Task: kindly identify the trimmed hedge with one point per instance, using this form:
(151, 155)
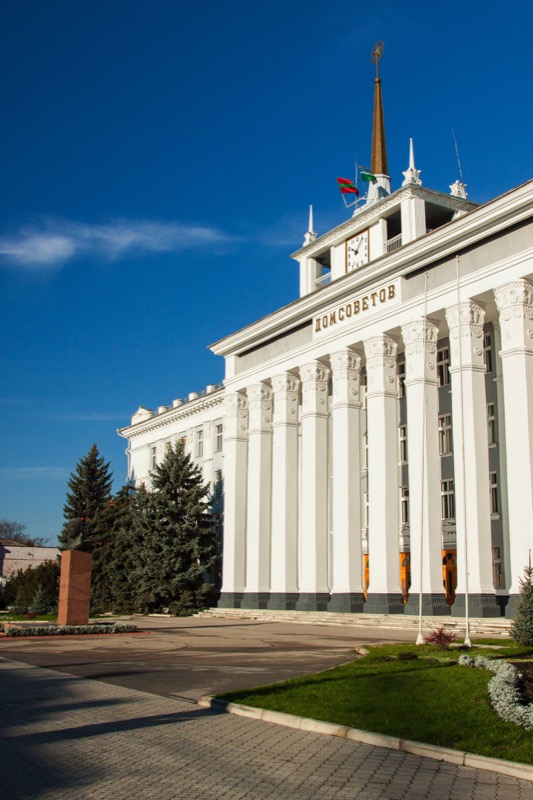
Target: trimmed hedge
(503, 690)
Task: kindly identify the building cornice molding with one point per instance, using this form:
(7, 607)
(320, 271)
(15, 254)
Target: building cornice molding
(173, 415)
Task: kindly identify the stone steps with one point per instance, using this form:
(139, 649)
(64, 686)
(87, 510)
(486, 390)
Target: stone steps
(485, 627)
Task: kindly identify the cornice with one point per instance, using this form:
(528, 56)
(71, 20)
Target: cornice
(173, 415)
(444, 242)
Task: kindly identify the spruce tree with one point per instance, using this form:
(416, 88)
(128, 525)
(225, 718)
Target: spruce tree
(522, 627)
(110, 583)
(90, 492)
(171, 538)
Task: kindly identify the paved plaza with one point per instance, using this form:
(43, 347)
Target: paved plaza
(68, 736)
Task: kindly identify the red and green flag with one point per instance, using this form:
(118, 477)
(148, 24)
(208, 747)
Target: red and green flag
(347, 187)
(367, 177)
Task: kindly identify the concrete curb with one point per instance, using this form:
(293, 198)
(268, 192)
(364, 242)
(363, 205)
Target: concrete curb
(514, 770)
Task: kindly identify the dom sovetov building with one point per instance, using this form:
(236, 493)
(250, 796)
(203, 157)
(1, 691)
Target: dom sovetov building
(374, 438)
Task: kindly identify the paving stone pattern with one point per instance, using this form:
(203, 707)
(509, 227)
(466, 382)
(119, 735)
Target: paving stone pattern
(64, 737)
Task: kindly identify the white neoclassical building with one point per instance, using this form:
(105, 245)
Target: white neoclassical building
(377, 438)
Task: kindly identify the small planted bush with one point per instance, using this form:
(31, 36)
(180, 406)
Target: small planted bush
(67, 630)
(441, 638)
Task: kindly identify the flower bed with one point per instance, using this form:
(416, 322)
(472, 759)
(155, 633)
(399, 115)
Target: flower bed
(66, 630)
(503, 690)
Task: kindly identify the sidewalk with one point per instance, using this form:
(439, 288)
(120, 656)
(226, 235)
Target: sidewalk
(65, 737)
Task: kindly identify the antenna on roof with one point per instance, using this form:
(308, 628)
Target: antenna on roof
(458, 159)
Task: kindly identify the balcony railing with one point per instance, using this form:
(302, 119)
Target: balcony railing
(323, 280)
(393, 244)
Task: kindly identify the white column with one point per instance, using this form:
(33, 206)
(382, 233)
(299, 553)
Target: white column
(235, 463)
(314, 589)
(471, 462)
(284, 539)
(259, 496)
(515, 304)
(347, 566)
(384, 596)
(421, 383)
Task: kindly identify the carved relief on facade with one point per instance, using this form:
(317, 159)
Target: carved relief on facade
(420, 336)
(314, 376)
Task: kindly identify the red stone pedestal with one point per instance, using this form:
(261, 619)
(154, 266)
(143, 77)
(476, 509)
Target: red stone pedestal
(74, 588)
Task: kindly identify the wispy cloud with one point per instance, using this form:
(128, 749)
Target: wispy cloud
(25, 473)
(54, 242)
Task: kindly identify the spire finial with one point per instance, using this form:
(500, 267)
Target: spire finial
(411, 175)
(376, 55)
(310, 236)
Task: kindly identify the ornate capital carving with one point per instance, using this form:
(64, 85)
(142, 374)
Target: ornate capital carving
(346, 361)
(465, 318)
(235, 404)
(259, 393)
(380, 351)
(314, 375)
(285, 383)
(419, 336)
(515, 300)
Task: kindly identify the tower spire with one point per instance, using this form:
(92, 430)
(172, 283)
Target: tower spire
(379, 166)
(378, 162)
(310, 236)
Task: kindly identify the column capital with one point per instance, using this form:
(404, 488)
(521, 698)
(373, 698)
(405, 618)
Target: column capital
(286, 383)
(515, 300)
(419, 336)
(315, 378)
(315, 374)
(258, 393)
(380, 351)
(346, 361)
(466, 318)
(260, 407)
(346, 369)
(236, 408)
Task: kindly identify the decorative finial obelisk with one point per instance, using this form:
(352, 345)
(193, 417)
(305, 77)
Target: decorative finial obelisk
(310, 236)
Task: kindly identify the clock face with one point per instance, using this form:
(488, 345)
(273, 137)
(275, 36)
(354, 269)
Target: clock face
(357, 251)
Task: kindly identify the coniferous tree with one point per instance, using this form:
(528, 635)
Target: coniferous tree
(90, 493)
(171, 538)
(110, 582)
(522, 627)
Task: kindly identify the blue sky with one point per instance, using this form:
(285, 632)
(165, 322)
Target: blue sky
(157, 161)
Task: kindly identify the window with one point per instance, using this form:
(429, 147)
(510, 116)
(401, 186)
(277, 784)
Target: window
(403, 442)
(445, 434)
(491, 423)
(443, 366)
(153, 457)
(401, 379)
(219, 438)
(447, 500)
(487, 351)
(404, 505)
(217, 488)
(199, 443)
(168, 446)
(493, 489)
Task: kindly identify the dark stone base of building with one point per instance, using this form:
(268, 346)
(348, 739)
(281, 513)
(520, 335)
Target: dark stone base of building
(346, 603)
(312, 602)
(511, 605)
(255, 600)
(230, 600)
(479, 605)
(384, 604)
(433, 605)
(281, 601)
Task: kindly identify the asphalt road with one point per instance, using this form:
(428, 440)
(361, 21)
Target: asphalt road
(189, 657)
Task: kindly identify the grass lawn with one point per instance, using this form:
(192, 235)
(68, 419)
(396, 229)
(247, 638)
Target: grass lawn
(428, 699)
(28, 618)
